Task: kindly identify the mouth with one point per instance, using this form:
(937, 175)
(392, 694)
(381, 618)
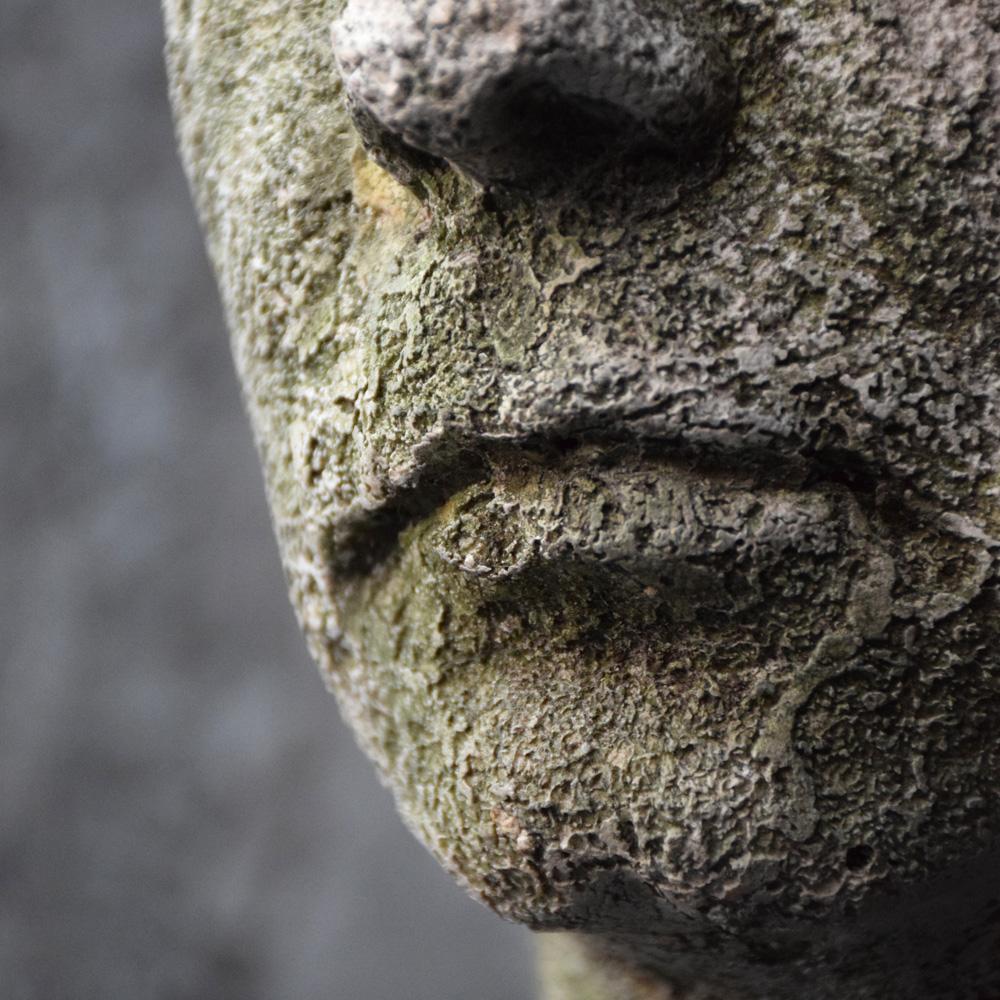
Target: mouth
(642, 506)
(664, 523)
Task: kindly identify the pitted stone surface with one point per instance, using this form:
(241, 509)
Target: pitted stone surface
(460, 78)
(648, 533)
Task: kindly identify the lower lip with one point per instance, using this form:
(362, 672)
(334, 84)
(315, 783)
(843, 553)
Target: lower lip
(638, 516)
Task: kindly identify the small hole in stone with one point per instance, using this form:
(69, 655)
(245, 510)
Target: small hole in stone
(859, 857)
(566, 445)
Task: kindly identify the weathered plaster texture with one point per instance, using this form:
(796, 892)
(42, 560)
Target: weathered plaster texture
(645, 523)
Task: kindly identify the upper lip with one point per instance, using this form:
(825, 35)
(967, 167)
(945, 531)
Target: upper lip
(448, 463)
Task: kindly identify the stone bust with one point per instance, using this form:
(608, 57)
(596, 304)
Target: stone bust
(626, 376)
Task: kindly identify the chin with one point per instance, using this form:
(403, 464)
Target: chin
(761, 756)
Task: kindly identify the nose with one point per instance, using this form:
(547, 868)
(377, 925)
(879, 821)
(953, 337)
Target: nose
(504, 88)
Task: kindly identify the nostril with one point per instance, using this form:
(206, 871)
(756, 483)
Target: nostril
(502, 89)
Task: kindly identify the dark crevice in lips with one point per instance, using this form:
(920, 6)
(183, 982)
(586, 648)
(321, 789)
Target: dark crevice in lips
(362, 541)
(835, 466)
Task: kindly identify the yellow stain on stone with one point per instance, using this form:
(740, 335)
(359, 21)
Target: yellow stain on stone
(380, 193)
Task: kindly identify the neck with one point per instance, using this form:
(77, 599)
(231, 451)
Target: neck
(570, 970)
(575, 966)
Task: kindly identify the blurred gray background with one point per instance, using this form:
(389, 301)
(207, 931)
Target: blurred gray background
(182, 812)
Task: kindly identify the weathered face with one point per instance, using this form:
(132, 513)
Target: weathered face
(643, 510)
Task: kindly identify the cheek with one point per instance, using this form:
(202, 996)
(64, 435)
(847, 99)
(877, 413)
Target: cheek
(267, 144)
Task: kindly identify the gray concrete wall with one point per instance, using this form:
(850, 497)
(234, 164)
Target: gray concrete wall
(182, 812)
